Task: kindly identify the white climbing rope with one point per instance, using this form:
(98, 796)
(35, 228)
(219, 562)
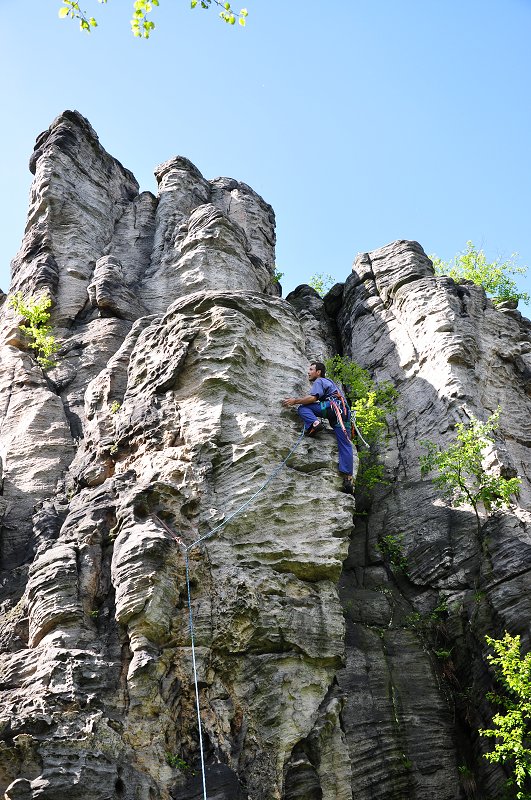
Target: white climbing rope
(358, 430)
(195, 673)
(186, 549)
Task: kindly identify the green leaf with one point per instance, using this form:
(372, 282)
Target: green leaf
(63, 12)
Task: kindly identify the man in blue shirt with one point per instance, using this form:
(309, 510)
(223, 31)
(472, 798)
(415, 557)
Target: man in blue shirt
(326, 400)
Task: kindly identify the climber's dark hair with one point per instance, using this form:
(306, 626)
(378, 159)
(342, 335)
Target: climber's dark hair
(320, 366)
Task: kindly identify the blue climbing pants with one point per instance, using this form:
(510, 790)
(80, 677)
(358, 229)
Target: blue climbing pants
(310, 413)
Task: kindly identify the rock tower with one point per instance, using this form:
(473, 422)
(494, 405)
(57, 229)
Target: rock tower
(320, 672)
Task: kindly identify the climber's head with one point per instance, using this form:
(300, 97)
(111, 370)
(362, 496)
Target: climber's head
(316, 370)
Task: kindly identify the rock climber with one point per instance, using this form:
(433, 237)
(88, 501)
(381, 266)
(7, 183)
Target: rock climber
(326, 400)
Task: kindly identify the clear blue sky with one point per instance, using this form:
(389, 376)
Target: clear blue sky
(360, 122)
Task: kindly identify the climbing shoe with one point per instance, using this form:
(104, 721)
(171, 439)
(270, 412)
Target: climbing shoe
(348, 486)
(315, 428)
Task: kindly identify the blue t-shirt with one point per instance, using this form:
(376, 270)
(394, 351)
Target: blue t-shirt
(323, 388)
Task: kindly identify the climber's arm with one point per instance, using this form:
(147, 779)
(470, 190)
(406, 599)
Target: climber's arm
(299, 401)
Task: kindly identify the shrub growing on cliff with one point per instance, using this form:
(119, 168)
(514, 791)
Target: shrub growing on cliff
(371, 404)
(392, 550)
(512, 729)
(471, 264)
(177, 762)
(461, 476)
(36, 316)
(321, 282)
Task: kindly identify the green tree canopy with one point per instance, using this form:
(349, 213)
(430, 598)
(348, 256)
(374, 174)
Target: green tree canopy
(495, 276)
(141, 25)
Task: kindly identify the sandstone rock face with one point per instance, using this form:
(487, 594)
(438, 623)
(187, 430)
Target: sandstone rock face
(324, 672)
(415, 675)
(165, 402)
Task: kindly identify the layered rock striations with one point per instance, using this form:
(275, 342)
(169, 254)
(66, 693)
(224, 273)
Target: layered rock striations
(324, 673)
(415, 676)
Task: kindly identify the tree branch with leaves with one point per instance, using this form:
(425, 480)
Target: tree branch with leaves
(460, 473)
(495, 276)
(512, 727)
(322, 282)
(141, 25)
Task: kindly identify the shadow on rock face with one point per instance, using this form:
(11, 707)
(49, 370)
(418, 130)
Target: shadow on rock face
(221, 782)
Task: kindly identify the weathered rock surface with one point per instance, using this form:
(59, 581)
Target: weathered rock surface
(324, 673)
(415, 675)
(165, 399)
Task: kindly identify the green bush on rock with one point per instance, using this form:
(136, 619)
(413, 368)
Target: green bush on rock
(321, 282)
(36, 316)
(512, 729)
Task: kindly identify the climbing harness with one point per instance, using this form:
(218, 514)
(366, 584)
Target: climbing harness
(338, 405)
(186, 549)
(351, 416)
(348, 413)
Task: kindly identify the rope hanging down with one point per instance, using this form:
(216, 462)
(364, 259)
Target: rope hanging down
(358, 434)
(186, 549)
